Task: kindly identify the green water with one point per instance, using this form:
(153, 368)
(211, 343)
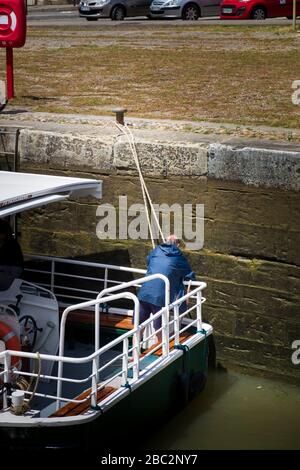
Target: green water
(235, 411)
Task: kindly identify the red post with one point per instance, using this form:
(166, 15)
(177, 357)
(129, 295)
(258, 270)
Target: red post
(9, 73)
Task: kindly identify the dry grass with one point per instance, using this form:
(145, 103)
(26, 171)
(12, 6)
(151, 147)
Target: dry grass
(217, 73)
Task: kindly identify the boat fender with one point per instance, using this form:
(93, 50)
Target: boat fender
(198, 378)
(197, 383)
(184, 376)
(11, 341)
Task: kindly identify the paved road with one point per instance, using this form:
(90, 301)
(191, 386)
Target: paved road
(68, 15)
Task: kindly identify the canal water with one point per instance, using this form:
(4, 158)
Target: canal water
(235, 411)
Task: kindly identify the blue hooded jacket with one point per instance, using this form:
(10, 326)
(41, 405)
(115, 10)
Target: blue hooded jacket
(168, 260)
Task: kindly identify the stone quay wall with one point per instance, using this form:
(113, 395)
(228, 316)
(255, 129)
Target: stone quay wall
(251, 255)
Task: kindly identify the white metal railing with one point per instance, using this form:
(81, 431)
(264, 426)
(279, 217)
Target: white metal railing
(96, 370)
(165, 314)
(109, 294)
(70, 292)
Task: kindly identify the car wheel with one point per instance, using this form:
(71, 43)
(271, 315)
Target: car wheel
(190, 13)
(118, 14)
(259, 13)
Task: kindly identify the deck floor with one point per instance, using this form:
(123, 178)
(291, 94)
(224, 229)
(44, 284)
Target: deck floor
(77, 349)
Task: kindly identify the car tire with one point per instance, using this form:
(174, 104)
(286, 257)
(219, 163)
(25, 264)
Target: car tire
(259, 13)
(190, 12)
(118, 13)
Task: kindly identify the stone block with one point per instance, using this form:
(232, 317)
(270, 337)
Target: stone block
(261, 328)
(256, 206)
(163, 158)
(248, 271)
(252, 299)
(256, 241)
(269, 167)
(222, 320)
(65, 151)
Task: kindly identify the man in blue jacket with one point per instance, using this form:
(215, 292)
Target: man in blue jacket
(165, 259)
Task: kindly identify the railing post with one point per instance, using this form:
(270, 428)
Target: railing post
(97, 333)
(94, 383)
(136, 354)
(125, 362)
(105, 278)
(136, 340)
(7, 362)
(176, 324)
(199, 310)
(165, 320)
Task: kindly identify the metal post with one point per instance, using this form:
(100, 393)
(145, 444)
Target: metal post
(136, 340)
(125, 361)
(294, 15)
(7, 362)
(199, 310)
(9, 73)
(165, 321)
(94, 383)
(105, 278)
(176, 324)
(119, 115)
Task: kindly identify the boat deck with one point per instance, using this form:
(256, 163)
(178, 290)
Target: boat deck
(108, 320)
(75, 409)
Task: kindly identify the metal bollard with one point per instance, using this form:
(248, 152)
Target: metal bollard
(119, 115)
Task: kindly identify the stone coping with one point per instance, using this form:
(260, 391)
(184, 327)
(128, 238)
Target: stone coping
(165, 149)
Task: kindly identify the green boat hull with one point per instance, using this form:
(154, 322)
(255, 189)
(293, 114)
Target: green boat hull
(130, 420)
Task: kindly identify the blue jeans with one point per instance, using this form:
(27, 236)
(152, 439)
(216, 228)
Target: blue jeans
(145, 311)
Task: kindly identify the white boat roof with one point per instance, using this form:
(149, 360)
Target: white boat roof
(23, 191)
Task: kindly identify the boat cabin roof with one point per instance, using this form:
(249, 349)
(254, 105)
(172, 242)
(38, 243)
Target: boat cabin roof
(23, 191)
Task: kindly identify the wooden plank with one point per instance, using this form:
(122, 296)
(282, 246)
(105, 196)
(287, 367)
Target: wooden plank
(75, 409)
(159, 352)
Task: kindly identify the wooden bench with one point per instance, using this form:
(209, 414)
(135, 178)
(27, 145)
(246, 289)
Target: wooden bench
(75, 409)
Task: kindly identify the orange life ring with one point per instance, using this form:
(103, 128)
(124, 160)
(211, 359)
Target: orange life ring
(11, 341)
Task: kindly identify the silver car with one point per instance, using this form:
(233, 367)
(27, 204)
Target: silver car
(185, 9)
(117, 10)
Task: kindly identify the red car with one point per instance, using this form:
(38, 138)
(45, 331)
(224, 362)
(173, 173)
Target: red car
(257, 9)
